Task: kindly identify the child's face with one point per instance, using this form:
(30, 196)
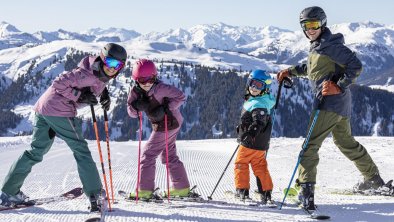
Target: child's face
(253, 91)
(147, 86)
(110, 71)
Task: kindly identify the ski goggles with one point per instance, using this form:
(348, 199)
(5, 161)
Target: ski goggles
(314, 25)
(145, 80)
(113, 63)
(257, 84)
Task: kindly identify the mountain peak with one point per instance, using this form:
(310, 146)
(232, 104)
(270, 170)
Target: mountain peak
(7, 29)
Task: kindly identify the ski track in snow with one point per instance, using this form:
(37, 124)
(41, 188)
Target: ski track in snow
(205, 161)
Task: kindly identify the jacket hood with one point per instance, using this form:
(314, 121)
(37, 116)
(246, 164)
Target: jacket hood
(326, 39)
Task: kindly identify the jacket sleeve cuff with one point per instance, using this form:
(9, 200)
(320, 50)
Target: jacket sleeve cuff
(344, 83)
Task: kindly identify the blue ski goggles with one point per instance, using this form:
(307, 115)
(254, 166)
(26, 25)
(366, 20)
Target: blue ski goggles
(113, 63)
(258, 84)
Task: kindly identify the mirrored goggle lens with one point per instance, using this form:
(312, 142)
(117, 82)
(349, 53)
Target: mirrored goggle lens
(315, 25)
(257, 84)
(145, 80)
(113, 63)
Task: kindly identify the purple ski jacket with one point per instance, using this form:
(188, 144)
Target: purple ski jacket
(60, 99)
(156, 97)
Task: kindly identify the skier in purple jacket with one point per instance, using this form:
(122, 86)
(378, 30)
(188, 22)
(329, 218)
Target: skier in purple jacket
(156, 99)
(55, 115)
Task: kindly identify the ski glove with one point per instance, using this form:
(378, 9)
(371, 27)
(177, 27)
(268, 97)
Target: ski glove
(282, 74)
(105, 100)
(87, 97)
(330, 88)
(140, 104)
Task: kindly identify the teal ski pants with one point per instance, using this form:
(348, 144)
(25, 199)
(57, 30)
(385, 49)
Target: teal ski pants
(45, 128)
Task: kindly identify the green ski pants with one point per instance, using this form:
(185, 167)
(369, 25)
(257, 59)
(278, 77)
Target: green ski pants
(339, 126)
(44, 130)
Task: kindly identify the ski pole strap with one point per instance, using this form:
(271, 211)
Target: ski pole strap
(287, 83)
(278, 95)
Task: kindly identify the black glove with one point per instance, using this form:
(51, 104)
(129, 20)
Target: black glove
(157, 114)
(105, 100)
(87, 97)
(140, 104)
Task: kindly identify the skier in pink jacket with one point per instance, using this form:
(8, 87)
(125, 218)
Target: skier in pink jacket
(55, 115)
(156, 99)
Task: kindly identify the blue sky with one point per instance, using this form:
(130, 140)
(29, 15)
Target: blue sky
(146, 16)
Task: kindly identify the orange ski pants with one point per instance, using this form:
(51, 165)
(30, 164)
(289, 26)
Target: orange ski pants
(259, 166)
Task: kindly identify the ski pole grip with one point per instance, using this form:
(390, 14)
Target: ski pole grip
(93, 113)
(288, 83)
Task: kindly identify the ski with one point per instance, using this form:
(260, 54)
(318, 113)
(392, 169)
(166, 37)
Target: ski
(93, 219)
(316, 214)
(69, 195)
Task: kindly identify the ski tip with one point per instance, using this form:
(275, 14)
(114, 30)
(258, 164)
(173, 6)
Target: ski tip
(320, 217)
(94, 219)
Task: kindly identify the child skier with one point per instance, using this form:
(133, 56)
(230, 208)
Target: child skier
(157, 99)
(56, 116)
(254, 133)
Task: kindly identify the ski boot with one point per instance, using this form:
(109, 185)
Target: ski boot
(371, 184)
(242, 194)
(185, 194)
(96, 201)
(178, 192)
(12, 200)
(307, 196)
(142, 195)
(265, 197)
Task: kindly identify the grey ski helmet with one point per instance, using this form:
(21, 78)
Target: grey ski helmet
(314, 13)
(114, 51)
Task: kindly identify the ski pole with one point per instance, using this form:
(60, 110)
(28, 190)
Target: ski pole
(301, 154)
(167, 163)
(109, 153)
(235, 151)
(100, 154)
(139, 156)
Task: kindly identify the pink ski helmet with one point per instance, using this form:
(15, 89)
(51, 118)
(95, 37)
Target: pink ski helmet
(144, 70)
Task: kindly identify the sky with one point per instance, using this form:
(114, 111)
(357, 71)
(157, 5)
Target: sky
(146, 16)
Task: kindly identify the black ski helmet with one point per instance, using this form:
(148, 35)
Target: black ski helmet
(314, 13)
(114, 51)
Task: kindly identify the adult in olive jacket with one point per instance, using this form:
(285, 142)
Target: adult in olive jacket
(332, 67)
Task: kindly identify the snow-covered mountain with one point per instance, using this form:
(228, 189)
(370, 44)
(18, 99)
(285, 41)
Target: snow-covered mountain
(11, 37)
(275, 45)
(116, 33)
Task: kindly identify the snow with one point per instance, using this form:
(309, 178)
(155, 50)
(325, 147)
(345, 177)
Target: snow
(204, 161)
(386, 86)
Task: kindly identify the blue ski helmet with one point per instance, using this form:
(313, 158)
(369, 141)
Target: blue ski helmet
(259, 79)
